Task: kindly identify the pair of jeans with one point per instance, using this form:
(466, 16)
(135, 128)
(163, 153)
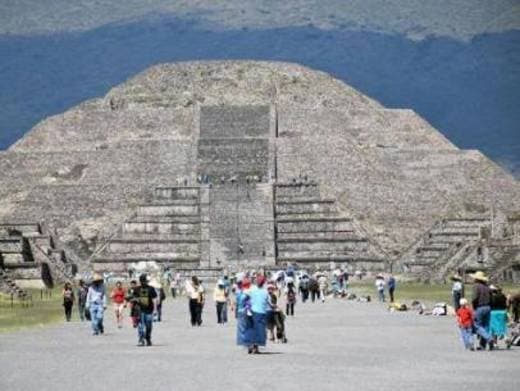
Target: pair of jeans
(305, 295)
(195, 312)
(466, 333)
(289, 309)
(481, 317)
(81, 309)
(221, 312)
(457, 295)
(144, 327)
(381, 295)
(96, 318)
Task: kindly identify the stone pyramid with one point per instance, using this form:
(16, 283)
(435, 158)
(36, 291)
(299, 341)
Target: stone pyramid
(232, 164)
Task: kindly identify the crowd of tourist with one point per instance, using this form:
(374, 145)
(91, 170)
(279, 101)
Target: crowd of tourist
(255, 300)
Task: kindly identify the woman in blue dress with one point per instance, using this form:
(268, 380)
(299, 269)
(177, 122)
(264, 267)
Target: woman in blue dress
(244, 315)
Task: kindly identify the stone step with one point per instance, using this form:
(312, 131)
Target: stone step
(13, 259)
(152, 236)
(316, 253)
(166, 219)
(317, 219)
(466, 222)
(161, 228)
(328, 258)
(305, 208)
(11, 245)
(147, 246)
(310, 200)
(311, 225)
(155, 257)
(173, 202)
(168, 210)
(471, 230)
(303, 236)
(330, 246)
(452, 237)
(21, 265)
(177, 192)
(23, 227)
(305, 216)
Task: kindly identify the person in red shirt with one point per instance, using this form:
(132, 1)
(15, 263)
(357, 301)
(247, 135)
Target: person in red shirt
(465, 322)
(118, 300)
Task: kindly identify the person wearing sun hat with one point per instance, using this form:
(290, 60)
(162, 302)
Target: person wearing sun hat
(481, 300)
(96, 303)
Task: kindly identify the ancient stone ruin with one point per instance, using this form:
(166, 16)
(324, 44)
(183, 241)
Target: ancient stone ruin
(205, 166)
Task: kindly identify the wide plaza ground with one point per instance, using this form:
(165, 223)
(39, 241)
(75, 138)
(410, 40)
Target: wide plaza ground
(338, 345)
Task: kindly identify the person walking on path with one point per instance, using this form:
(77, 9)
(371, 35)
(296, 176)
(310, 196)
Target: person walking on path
(195, 293)
(175, 281)
(322, 284)
(290, 298)
(145, 298)
(304, 287)
(457, 290)
(82, 299)
(245, 329)
(465, 322)
(481, 301)
(380, 286)
(259, 307)
(391, 287)
(68, 300)
(220, 298)
(161, 296)
(118, 301)
(97, 303)
(314, 289)
(498, 317)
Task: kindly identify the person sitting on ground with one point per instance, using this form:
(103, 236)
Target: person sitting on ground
(465, 322)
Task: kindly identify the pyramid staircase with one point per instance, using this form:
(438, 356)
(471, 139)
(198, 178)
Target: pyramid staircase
(309, 230)
(164, 232)
(28, 252)
(441, 249)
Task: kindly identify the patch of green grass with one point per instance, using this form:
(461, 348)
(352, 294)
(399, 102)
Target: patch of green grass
(40, 312)
(408, 291)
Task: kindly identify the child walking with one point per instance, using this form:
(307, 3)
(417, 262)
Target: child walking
(465, 322)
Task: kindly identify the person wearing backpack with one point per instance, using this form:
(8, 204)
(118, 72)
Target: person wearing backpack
(145, 298)
(290, 298)
(68, 300)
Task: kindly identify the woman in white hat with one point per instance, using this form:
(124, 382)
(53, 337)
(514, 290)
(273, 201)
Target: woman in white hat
(481, 301)
(97, 303)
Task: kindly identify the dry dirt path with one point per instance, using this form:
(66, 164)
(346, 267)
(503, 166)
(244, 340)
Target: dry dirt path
(337, 345)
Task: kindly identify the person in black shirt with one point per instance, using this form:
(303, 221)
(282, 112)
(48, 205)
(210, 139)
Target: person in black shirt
(144, 297)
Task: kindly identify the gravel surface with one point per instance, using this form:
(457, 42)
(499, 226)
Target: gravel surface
(332, 346)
